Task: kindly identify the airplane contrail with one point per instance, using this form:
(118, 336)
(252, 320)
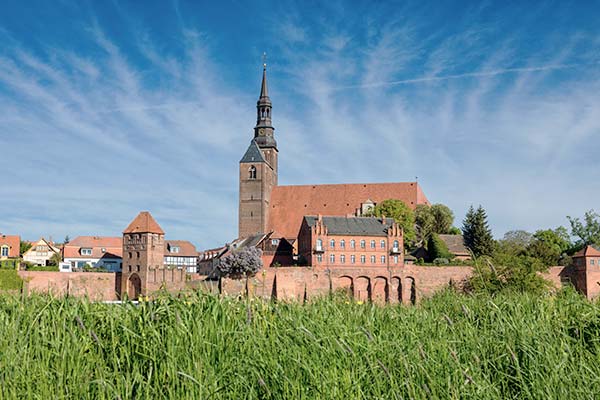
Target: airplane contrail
(466, 75)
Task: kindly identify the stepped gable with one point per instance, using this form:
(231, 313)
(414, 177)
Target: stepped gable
(144, 223)
(289, 204)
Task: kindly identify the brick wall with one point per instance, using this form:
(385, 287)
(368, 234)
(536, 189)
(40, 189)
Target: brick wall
(95, 285)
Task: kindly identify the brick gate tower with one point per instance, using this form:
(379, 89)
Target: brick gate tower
(143, 251)
(258, 169)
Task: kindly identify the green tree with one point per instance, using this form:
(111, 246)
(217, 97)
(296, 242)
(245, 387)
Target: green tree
(443, 218)
(588, 230)
(401, 213)
(515, 242)
(549, 245)
(55, 259)
(477, 235)
(437, 248)
(67, 239)
(424, 223)
(24, 246)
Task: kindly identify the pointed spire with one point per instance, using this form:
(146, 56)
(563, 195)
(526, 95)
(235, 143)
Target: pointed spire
(264, 92)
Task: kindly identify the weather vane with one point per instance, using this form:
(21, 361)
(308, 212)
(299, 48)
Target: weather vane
(264, 59)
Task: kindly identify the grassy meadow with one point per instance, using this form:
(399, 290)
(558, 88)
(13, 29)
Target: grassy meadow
(204, 347)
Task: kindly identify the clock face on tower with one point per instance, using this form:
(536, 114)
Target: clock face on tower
(261, 132)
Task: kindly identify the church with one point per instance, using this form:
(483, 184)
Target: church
(278, 212)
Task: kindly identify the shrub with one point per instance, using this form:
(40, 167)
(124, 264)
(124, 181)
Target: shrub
(10, 280)
(241, 263)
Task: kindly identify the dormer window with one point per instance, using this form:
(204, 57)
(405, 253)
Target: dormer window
(4, 251)
(86, 252)
(174, 249)
(252, 172)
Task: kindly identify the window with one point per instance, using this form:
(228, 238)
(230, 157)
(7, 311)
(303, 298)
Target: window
(4, 251)
(373, 244)
(382, 244)
(352, 259)
(332, 244)
(86, 252)
(353, 243)
(383, 259)
(363, 259)
(343, 259)
(252, 172)
(363, 244)
(373, 259)
(138, 254)
(274, 242)
(395, 259)
(592, 261)
(396, 245)
(319, 245)
(332, 258)
(342, 244)
(130, 255)
(320, 257)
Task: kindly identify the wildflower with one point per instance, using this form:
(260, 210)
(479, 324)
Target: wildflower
(360, 302)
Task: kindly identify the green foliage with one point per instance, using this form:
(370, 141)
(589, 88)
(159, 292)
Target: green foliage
(10, 280)
(438, 249)
(24, 246)
(511, 346)
(507, 272)
(437, 218)
(33, 267)
(588, 230)
(9, 264)
(401, 213)
(55, 260)
(454, 231)
(549, 245)
(514, 242)
(476, 233)
(67, 239)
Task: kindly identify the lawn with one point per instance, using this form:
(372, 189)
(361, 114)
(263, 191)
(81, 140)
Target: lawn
(200, 347)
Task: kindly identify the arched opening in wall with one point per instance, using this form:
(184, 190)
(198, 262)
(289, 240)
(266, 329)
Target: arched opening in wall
(395, 292)
(362, 286)
(345, 286)
(252, 172)
(411, 289)
(379, 290)
(134, 287)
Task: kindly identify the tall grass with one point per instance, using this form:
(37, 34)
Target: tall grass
(451, 346)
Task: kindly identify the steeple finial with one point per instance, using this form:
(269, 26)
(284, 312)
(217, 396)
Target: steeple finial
(263, 89)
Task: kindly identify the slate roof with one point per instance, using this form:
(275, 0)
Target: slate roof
(144, 223)
(253, 154)
(359, 226)
(289, 204)
(455, 244)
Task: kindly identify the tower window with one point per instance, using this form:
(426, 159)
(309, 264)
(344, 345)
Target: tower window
(252, 172)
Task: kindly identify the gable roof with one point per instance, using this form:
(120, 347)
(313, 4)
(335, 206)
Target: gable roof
(588, 251)
(289, 204)
(144, 223)
(455, 244)
(359, 226)
(253, 154)
(14, 244)
(186, 249)
(113, 247)
(43, 242)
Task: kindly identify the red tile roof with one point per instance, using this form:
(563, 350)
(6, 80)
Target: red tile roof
(289, 204)
(587, 251)
(144, 223)
(14, 245)
(113, 246)
(186, 249)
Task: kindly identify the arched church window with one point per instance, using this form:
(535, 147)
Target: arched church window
(252, 172)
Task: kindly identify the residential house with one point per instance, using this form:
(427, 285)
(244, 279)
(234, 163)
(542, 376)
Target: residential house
(41, 252)
(10, 246)
(94, 251)
(180, 254)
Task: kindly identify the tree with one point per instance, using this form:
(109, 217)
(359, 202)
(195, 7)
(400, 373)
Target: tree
(549, 245)
(438, 249)
(24, 246)
(241, 263)
(437, 218)
(401, 213)
(424, 223)
(67, 239)
(587, 231)
(55, 260)
(515, 242)
(477, 235)
(443, 218)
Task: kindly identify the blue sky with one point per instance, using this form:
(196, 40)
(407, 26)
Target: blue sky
(109, 108)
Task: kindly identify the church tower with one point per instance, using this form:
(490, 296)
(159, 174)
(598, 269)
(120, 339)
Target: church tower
(258, 169)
